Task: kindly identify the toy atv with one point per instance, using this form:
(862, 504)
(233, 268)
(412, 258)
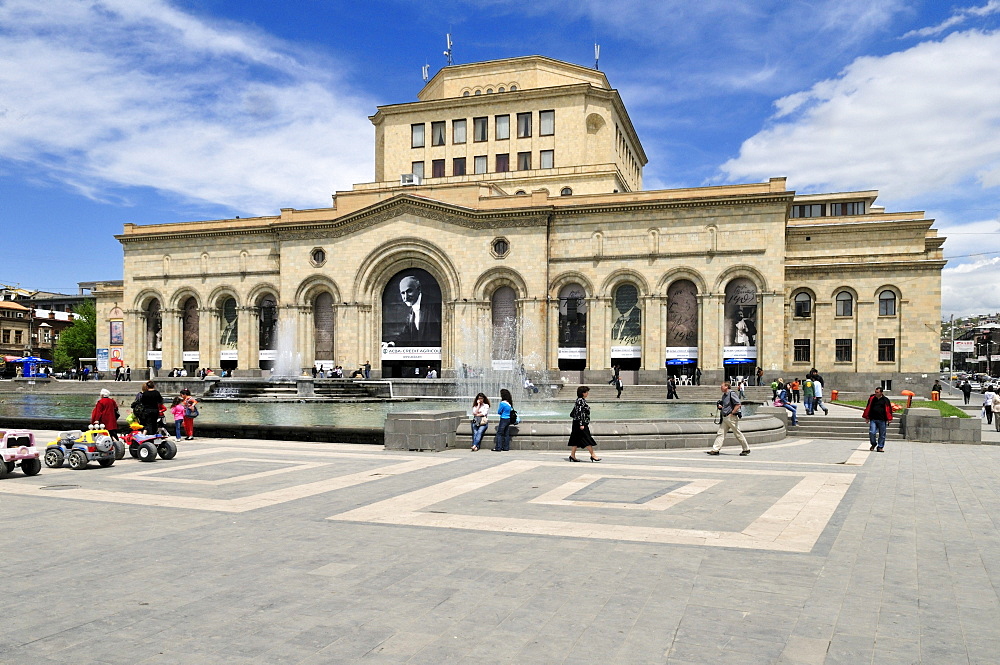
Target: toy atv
(79, 448)
(145, 447)
(19, 446)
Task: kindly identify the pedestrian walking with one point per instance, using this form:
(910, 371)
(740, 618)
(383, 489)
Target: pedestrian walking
(878, 414)
(966, 389)
(697, 375)
(480, 412)
(128, 373)
(795, 385)
(672, 388)
(729, 420)
(808, 394)
(501, 443)
(996, 410)
(618, 386)
(580, 436)
(988, 404)
(760, 376)
(818, 398)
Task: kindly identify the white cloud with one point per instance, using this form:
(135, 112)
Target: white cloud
(957, 18)
(115, 93)
(910, 123)
(968, 288)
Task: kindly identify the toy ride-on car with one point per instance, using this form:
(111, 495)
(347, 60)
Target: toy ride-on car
(19, 446)
(79, 448)
(145, 447)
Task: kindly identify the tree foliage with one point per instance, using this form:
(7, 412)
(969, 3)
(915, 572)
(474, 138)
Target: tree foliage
(79, 340)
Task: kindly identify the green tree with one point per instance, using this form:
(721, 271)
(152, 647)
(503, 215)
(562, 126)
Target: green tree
(79, 340)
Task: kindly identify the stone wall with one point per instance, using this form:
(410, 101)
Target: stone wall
(930, 426)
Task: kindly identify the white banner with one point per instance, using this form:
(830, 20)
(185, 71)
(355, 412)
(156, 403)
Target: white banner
(626, 352)
(229, 354)
(965, 346)
(946, 355)
(739, 353)
(503, 365)
(267, 354)
(103, 360)
(327, 365)
(410, 352)
(573, 353)
(682, 353)
(154, 355)
(191, 356)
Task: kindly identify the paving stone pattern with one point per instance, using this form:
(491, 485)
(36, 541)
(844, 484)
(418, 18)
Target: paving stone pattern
(250, 552)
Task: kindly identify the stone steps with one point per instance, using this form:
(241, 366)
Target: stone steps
(833, 427)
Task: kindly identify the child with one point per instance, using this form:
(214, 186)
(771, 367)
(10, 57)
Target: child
(177, 411)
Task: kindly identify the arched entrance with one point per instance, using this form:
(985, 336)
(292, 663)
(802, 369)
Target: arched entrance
(323, 332)
(190, 335)
(154, 334)
(573, 328)
(230, 336)
(739, 351)
(682, 329)
(626, 331)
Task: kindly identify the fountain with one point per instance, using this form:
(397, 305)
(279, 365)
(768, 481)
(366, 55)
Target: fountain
(478, 370)
(288, 361)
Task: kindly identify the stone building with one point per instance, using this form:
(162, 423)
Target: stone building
(507, 227)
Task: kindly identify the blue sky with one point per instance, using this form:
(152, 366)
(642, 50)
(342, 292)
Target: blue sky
(115, 111)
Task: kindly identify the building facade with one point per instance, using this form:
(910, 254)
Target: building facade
(507, 227)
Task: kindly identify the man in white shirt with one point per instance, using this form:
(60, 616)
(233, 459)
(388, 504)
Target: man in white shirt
(818, 399)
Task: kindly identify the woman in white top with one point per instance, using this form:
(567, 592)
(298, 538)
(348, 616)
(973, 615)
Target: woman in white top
(480, 411)
(988, 398)
(996, 408)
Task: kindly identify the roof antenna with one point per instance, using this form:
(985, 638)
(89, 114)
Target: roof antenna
(447, 54)
(597, 55)
(426, 69)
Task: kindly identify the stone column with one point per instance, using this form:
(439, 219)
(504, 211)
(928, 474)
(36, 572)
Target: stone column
(551, 314)
(246, 344)
(771, 335)
(173, 344)
(711, 326)
(134, 351)
(209, 332)
(598, 332)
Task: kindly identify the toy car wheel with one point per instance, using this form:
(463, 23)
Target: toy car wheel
(133, 450)
(106, 462)
(147, 452)
(9, 465)
(119, 450)
(77, 460)
(31, 467)
(104, 443)
(3, 470)
(54, 458)
(167, 449)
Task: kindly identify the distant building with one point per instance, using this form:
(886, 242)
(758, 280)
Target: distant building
(507, 226)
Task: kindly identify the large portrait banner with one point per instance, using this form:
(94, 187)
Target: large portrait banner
(741, 320)
(626, 331)
(573, 323)
(411, 317)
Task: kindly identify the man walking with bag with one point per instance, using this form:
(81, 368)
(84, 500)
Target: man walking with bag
(729, 419)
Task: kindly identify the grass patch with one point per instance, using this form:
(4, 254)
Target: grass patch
(946, 409)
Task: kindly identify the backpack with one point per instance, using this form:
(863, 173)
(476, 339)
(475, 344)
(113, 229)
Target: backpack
(513, 417)
(136, 404)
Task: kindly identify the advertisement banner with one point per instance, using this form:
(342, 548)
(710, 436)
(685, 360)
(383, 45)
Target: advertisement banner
(503, 365)
(267, 354)
(682, 352)
(391, 352)
(117, 333)
(739, 353)
(572, 353)
(741, 315)
(191, 356)
(626, 352)
(103, 360)
(965, 346)
(229, 354)
(154, 355)
(946, 355)
(116, 356)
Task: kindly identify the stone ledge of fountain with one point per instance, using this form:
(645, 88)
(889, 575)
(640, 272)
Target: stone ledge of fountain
(630, 434)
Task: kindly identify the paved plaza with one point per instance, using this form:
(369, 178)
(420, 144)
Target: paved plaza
(240, 552)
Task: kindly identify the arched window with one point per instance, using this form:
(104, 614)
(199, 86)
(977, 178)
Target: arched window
(268, 324)
(887, 303)
(154, 326)
(845, 304)
(190, 325)
(323, 329)
(803, 306)
(504, 323)
(566, 191)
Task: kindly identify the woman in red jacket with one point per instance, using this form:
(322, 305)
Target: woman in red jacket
(106, 413)
(878, 413)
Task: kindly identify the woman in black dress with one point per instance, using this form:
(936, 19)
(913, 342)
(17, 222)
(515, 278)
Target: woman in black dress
(580, 436)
